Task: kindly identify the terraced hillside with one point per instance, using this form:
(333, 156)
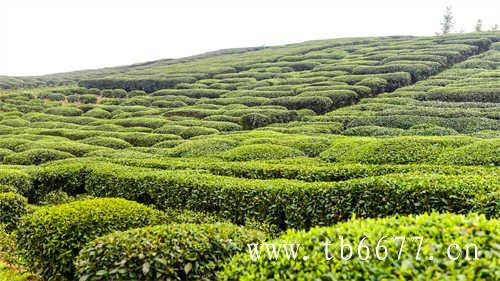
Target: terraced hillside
(344, 137)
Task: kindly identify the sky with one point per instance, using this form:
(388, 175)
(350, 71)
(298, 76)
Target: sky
(42, 37)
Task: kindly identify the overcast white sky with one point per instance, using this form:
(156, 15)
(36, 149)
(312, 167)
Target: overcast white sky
(40, 37)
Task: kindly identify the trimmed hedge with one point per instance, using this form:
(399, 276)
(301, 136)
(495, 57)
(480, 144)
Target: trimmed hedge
(260, 152)
(439, 231)
(53, 236)
(20, 180)
(65, 111)
(203, 147)
(4, 153)
(12, 208)
(254, 120)
(485, 152)
(194, 131)
(464, 94)
(402, 150)
(371, 131)
(165, 252)
(295, 204)
(98, 113)
(36, 156)
(318, 104)
(107, 142)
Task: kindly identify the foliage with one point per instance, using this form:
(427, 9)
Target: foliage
(453, 229)
(12, 208)
(53, 236)
(260, 152)
(165, 252)
(36, 156)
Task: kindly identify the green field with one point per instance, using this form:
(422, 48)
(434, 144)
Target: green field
(167, 170)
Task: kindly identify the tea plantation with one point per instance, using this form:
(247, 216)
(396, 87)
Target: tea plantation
(167, 170)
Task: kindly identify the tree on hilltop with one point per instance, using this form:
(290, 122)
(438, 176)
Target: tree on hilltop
(479, 26)
(447, 22)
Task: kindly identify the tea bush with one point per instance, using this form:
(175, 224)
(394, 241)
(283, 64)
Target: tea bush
(165, 252)
(453, 229)
(485, 152)
(194, 131)
(402, 150)
(203, 147)
(53, 236)
(36, 156)
(12, 208)
(65, 111)
(107, 142)
(289, 203)
(98, 113)
(260, 152)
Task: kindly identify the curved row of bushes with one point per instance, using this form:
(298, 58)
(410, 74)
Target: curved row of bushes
(465, 236)
(286, 203)
(456, 151)
(310, 172)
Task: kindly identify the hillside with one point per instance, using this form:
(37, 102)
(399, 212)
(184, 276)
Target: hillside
(373, 131)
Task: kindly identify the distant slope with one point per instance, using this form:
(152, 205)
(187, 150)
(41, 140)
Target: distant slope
(379, 86)
(67, 78)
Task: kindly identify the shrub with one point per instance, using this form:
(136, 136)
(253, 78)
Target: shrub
(260, 152)
(8, 249)
(56, 197)
(14, 122)
(53, 236)
(485, 152)
(165, 252)
(318, 104)
(18, 179)
(254, 120)
(73, 98)
(53, 96)
(224, 118)
(339, 98)
(369, 131)
(148, 122)
(12, 143)
(146, 139)
(88, 98)
(75, 148)
(168, 104)
(431, 131)
(203, 147)
(36, 156)
(170, 129)
(192, 93)
(98, 113)
(460, 124)
(298, 204)
(168, 143)
(194, 131)
(114, 93)
(452, 229)
(464, 94)
(377, 85)
(400, 150)
(107, 142)
(12, 208)
(65, 111)
(3, 153)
